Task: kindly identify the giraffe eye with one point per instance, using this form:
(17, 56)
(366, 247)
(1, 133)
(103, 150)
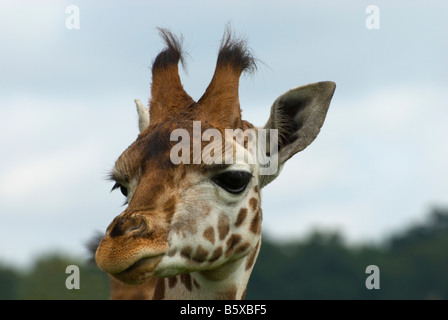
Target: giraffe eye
(233, 181)
(123, 189)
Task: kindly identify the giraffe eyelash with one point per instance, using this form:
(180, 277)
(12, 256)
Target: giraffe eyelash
(123, 189)
(116, 186)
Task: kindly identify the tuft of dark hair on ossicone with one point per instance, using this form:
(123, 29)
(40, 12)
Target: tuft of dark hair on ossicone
(234, 52)
(172, 54)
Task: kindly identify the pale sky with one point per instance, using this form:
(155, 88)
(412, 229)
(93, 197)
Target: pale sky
(67, 111)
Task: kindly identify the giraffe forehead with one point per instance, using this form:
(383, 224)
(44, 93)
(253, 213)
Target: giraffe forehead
(150, 149)
(153, 148)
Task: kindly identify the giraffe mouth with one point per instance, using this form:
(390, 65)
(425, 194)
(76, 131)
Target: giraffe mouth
(139, 271)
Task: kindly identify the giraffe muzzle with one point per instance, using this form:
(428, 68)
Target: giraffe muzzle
(132, 247)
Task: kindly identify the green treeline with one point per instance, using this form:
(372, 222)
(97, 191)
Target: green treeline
(413, 265)
(46, 280)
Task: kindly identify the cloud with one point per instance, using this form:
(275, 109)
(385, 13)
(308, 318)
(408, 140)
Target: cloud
(47, 180)
(53, 148)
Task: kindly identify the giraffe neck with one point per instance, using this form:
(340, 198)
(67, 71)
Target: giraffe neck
(228, 282)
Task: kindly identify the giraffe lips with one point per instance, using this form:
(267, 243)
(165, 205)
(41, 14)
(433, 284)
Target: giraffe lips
(139, 271)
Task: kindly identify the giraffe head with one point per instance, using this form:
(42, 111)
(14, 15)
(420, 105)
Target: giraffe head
(192, 186)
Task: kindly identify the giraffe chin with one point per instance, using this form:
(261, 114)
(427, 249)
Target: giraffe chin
(139, 271)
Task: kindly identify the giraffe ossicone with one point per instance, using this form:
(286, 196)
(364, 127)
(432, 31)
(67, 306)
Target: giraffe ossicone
(192, 226)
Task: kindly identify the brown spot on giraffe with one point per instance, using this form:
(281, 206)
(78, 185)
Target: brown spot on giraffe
(232, 242)
(209, 234)
(189, 228)
(253, 204)
(172, 252)
(216, 254)
(186, 252)
(251, 259)
(242, 248)
(241, 216)
(186, 280)
(255, 224)
(159, 292)
(201, 254)
(172, 281)
(223, 226)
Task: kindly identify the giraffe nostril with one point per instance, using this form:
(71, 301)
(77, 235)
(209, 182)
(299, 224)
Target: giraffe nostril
(132, 226)
(137, 229)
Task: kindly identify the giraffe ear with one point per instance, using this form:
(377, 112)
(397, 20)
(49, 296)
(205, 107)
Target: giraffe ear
(143, 115)
(298, 116)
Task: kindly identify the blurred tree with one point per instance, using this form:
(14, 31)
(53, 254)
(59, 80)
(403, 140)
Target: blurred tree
(412, 265)
(9, 282)
(46, 280)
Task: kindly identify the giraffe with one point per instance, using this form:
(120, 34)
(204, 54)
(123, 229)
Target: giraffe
(192, 230)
